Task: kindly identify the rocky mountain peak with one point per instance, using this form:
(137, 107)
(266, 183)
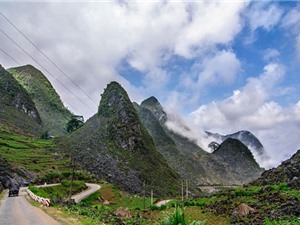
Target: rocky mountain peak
(53, 113)
(151, 102)
(114, 99)
(234, 147)
(155, 107)
(120, 148)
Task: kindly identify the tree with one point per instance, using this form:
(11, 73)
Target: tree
(213, 146)
(75, 123)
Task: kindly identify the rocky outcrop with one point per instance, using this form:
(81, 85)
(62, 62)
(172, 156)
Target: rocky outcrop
(238, 160)
(12, 177)
(17, 111)
(288, 172)
(115, 145)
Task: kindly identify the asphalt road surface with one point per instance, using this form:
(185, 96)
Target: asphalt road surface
(18, 211)
(92, 188)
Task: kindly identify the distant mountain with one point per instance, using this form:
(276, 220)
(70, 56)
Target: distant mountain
(247, 138)
(288, 172)
(188, 159)
(17, 111)
(238, 160)
(115, 145)
(53, 113)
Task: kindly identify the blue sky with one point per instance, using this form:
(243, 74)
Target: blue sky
(221, 66)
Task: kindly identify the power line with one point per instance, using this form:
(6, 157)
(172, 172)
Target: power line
(44, 68)
(20, 64)
(10, 56)
(45, 56)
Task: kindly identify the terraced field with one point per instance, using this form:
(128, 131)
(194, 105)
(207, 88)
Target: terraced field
(31, 153)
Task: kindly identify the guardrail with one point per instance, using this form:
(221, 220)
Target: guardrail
(44, 201)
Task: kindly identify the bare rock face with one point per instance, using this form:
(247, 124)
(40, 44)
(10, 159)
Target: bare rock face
(10, 177)
(288, 172)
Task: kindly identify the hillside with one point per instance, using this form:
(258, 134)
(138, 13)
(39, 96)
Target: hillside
(116, 146)
(287, 172)
(188, 159)
(17, 112)
(53, 113)
(238, 160)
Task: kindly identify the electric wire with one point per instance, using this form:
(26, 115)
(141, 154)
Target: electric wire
(53, 63)
(20, 64)
(10, 56)
(44, 69)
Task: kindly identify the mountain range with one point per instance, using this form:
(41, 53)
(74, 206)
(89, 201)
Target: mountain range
(124, 143)
(192, 162)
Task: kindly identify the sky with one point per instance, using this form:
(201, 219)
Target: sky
(220, 66)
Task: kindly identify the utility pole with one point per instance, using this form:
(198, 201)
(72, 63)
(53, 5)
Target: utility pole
(181, 190)
(187, 189)
(72, 176)
(144, 194)
(151, 197)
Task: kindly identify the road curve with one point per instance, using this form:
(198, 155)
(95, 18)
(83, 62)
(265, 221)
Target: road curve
(18, 211)
(163, 202)
(91, 189)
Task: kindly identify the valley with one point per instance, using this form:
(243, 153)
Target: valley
(131, 152)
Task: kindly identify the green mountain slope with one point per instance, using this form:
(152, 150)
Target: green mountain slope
(115, 145)
(53, 113)
(17, 111)
(188, 159)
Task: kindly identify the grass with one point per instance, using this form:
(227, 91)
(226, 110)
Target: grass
(33, 154)
(178, 217)
(59, 191)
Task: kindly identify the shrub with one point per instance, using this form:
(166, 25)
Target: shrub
(154, 207)
(178, 218)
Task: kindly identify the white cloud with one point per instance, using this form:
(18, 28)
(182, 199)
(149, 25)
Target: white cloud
(250, 108)
(270, 54)
(155, 80)
(292, 18)
(92, 39)
(222, 68)
(264, 15)
(298, 47)
(206, 26)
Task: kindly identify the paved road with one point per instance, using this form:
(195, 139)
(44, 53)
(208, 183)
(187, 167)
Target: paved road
(163, 202)
(18, 211)
(92, 188)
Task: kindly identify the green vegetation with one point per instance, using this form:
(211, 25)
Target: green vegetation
(53, 113)
(178, 217)
(75, 123)
(18, 112)
(30, 153)
(59, 192)
(116, 139)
